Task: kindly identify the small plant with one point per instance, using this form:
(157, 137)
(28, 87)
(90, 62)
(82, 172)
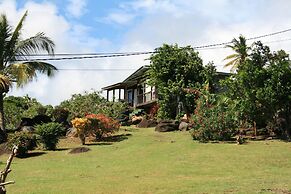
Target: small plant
(82, 126)
(24, 140)
(49, 134)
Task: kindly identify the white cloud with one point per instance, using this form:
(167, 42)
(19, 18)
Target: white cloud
(68, 38)
(76, 8)
(186, 22)
(121, 18)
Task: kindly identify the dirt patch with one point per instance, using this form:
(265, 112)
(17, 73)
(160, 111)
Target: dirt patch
(79, 150)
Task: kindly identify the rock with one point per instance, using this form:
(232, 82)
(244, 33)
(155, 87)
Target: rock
(183, 126)
(38, 119)
(28, 129)
(167, 125)
(145, 123)
(269, 138)
(136, 120)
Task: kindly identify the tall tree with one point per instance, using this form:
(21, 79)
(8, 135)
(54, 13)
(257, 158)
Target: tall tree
(262, 86)
(172, 70)
(239, 46)
(14, 64)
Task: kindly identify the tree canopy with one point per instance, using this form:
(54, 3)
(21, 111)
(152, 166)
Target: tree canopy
(172, 70)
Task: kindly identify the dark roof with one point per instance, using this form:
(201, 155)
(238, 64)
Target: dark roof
(140, 73)
(137, 75)
(130, 80)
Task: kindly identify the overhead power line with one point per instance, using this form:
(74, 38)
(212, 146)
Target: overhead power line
(93, 69)
(125, 54)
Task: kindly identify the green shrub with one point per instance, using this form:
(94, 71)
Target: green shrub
(24, 140)
(49, 134)
(215, 118)
(81, 104)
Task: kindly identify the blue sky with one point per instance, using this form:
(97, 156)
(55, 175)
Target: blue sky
(79, 26)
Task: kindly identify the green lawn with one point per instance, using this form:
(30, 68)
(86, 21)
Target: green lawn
(144, 161)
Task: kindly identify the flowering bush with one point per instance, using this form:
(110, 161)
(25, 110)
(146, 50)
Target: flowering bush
(215, 118)
(102, 125)
(81, 125)
(95, 124)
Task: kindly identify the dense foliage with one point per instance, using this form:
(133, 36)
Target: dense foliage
(49, 134)
(173, 69)
(215, 118)
(24, 140)
(16, 108)
(262, 86)
(91, 103)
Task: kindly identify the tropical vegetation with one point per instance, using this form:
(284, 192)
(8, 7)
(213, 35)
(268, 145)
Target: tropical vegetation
(15, 65)
(172, 70)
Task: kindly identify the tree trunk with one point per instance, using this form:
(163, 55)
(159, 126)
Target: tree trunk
(2, 121)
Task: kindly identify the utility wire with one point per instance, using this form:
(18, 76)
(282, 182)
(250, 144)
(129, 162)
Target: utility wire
(125, 54)
(93, 69)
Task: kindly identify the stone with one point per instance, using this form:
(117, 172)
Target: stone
(38, 119)
(29, 129)
(183, 126)
(167, 125)
(136, 120)
(145, 123)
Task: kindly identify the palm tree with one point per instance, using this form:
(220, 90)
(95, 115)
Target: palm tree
(14, 64)
(241, 52)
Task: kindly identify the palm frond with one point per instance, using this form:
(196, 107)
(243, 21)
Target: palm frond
(5, 83)
(231, 63)
(42, 67)
(5, 34)
(231, 56)
(9, 51)
(35, 44)
(27, 71)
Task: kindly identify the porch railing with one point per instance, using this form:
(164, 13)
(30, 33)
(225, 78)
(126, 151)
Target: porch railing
(146, 97)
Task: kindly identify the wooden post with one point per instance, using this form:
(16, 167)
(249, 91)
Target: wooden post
(113, 98)
(132, 97)
(125, 94)
(119, 94)
(255, 128)
(107, 96)
(151, 93)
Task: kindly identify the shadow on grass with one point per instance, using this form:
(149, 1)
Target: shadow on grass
(115, 138)
(98, 143)
(130, 129)
(31, 155)
(61, 149)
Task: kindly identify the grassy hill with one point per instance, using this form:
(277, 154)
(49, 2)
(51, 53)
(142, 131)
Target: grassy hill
(144, 161)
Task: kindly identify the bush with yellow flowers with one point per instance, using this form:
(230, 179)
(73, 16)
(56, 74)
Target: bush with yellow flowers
(82, 125)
